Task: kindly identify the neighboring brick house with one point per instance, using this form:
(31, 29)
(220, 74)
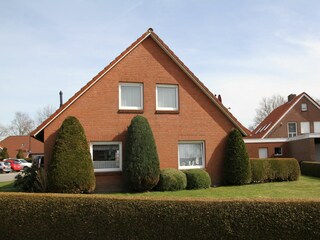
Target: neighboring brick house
(31, 147)
(291, 130)
(189, 123)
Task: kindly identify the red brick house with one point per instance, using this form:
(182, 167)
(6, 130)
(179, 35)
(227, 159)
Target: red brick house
(189, 123)
(291, 130)
(31, 147)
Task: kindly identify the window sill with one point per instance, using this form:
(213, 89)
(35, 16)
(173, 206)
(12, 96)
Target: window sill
(113, 173)
(167, 112)
(130, 111)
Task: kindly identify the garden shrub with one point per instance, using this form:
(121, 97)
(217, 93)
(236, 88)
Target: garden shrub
(31, 180)
(141, 166)
(20, 154)
(310, 168)
(61, 216)
(197, 179)
(274, 169)
(171, 180)
(237, 170)
(71, 169)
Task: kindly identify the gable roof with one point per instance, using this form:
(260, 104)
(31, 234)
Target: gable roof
(272, 120)
(38, 132)
(25, 143)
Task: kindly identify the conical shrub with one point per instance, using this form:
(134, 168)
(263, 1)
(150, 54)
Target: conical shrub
(237, 169)
(71, 169)
(141, 165)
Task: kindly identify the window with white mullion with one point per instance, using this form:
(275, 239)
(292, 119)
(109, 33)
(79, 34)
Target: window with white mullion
(131, 96)
(167, 97)
(191, 154)
(292, 129)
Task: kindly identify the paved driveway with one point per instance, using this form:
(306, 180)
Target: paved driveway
(5, 177)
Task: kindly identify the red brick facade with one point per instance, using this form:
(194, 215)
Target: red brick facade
(198, 117)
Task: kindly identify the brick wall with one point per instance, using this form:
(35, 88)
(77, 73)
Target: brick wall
(198, 117)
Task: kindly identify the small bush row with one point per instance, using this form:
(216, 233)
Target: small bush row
(61, 216)
(275, 169)
(310, 168)
(174, 180)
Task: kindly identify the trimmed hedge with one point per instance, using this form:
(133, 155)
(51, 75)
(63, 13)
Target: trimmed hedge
(58, 216)
(197, 179)
(171, 180)
(310, 168)
(275, 169)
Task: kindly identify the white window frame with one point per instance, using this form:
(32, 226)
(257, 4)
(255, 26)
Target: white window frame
(316, 127)
(278, 154)
(140, 85)
(304, 107)
(120, 156)
(177, 97)
(304, 125)
(203, 155)
(292, 134)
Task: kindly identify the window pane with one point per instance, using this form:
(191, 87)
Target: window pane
(106, 156)
(131, 96)
(305, 127)
(292, 129)
(316, 127)
(190, 154)
(167, 97)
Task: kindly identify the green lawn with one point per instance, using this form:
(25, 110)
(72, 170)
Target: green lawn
(7, 187)
(305, 187)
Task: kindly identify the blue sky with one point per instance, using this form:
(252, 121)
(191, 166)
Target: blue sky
(244, 50)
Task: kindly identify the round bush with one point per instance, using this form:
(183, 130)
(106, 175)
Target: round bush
(171, 180)
(197, 179)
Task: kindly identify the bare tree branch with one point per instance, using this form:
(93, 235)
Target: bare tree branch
(22, 124)
(266, 106)
(44, 113)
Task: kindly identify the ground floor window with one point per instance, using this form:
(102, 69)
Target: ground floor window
(191, 154)
(106, 156)
(278, 151)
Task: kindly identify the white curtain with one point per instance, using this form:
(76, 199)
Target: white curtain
(305, 127)
(167, 97)
(190, 154)
(131, 96)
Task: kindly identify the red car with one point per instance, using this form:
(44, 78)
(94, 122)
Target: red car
(15, 164)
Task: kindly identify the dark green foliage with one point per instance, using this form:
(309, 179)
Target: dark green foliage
(20, 154)
(141, 166)
(274, 169)
(237, 170)
(60, 216)
(70, 169)
(310, 168)
(31, 180)
(197, 179)
(4, 153)
(171, 180)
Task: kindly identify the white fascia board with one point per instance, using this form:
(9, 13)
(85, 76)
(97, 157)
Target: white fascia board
(283, 115)
(265, 140)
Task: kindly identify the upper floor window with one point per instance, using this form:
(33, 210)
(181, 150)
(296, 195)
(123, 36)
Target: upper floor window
(167, 97)
(131, 96)
(106, 156)
(304, 107)
(191, 154)
(316, 126)
(305, 127)
(292, 129)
